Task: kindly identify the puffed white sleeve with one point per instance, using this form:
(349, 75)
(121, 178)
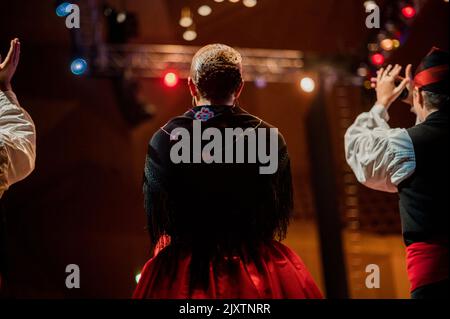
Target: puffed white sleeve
(380, 157)
(17, 141)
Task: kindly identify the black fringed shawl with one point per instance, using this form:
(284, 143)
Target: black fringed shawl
(211, 210)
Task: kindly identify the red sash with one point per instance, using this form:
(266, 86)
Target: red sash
(427, 263)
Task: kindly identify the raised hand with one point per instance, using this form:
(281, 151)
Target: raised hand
(409, 86)
(9, 65)
(387, 90)
(399, 79)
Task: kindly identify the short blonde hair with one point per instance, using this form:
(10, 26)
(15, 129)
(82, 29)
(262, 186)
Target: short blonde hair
(216, 70)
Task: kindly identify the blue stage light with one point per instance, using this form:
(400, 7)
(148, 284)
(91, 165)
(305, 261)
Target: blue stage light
(78, 66)
(61, 9)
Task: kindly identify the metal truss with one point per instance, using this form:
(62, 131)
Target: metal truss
(152, 61)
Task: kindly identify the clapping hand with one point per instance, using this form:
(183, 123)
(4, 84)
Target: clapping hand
(9, 65)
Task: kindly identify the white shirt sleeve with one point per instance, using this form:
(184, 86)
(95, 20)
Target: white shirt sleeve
(380, 157)
(17, 141)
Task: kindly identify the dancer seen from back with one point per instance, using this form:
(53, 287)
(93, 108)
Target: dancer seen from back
(218, 196)
(412, 162)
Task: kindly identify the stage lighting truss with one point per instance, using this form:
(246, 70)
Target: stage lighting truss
(152, 61)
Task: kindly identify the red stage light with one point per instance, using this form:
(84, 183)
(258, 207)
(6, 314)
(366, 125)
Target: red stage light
(408, 12)
(377, 59)
(170, 79)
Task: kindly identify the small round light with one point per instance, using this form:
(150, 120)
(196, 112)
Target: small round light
(260, 82)
(370, 5)
(189, 35)
(377, 59)
(307, 84)
(170, 79)
(219, 0)
(61, 10)
(396, 43)
(408, 12)
(387, 44)
(362, 71)
(186, 22)
(391, 27)
(234, 1)
(121, 17)
(250, 3)
(78, 66)
(204, 10)
(108, 11)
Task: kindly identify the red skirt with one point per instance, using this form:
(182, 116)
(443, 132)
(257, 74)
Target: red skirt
(282, 276)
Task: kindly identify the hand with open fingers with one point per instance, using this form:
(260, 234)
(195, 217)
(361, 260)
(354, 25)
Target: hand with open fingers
(408, 74)
(9, 65)
(385, 84)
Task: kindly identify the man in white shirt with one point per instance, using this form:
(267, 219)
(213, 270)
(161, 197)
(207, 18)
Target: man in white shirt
(412, 162)
(17, 135)
(17, 132)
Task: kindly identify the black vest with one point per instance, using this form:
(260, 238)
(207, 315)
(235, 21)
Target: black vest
(424, 197)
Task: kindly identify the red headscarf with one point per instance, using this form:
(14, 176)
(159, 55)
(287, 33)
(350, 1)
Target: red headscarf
(432, 73)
